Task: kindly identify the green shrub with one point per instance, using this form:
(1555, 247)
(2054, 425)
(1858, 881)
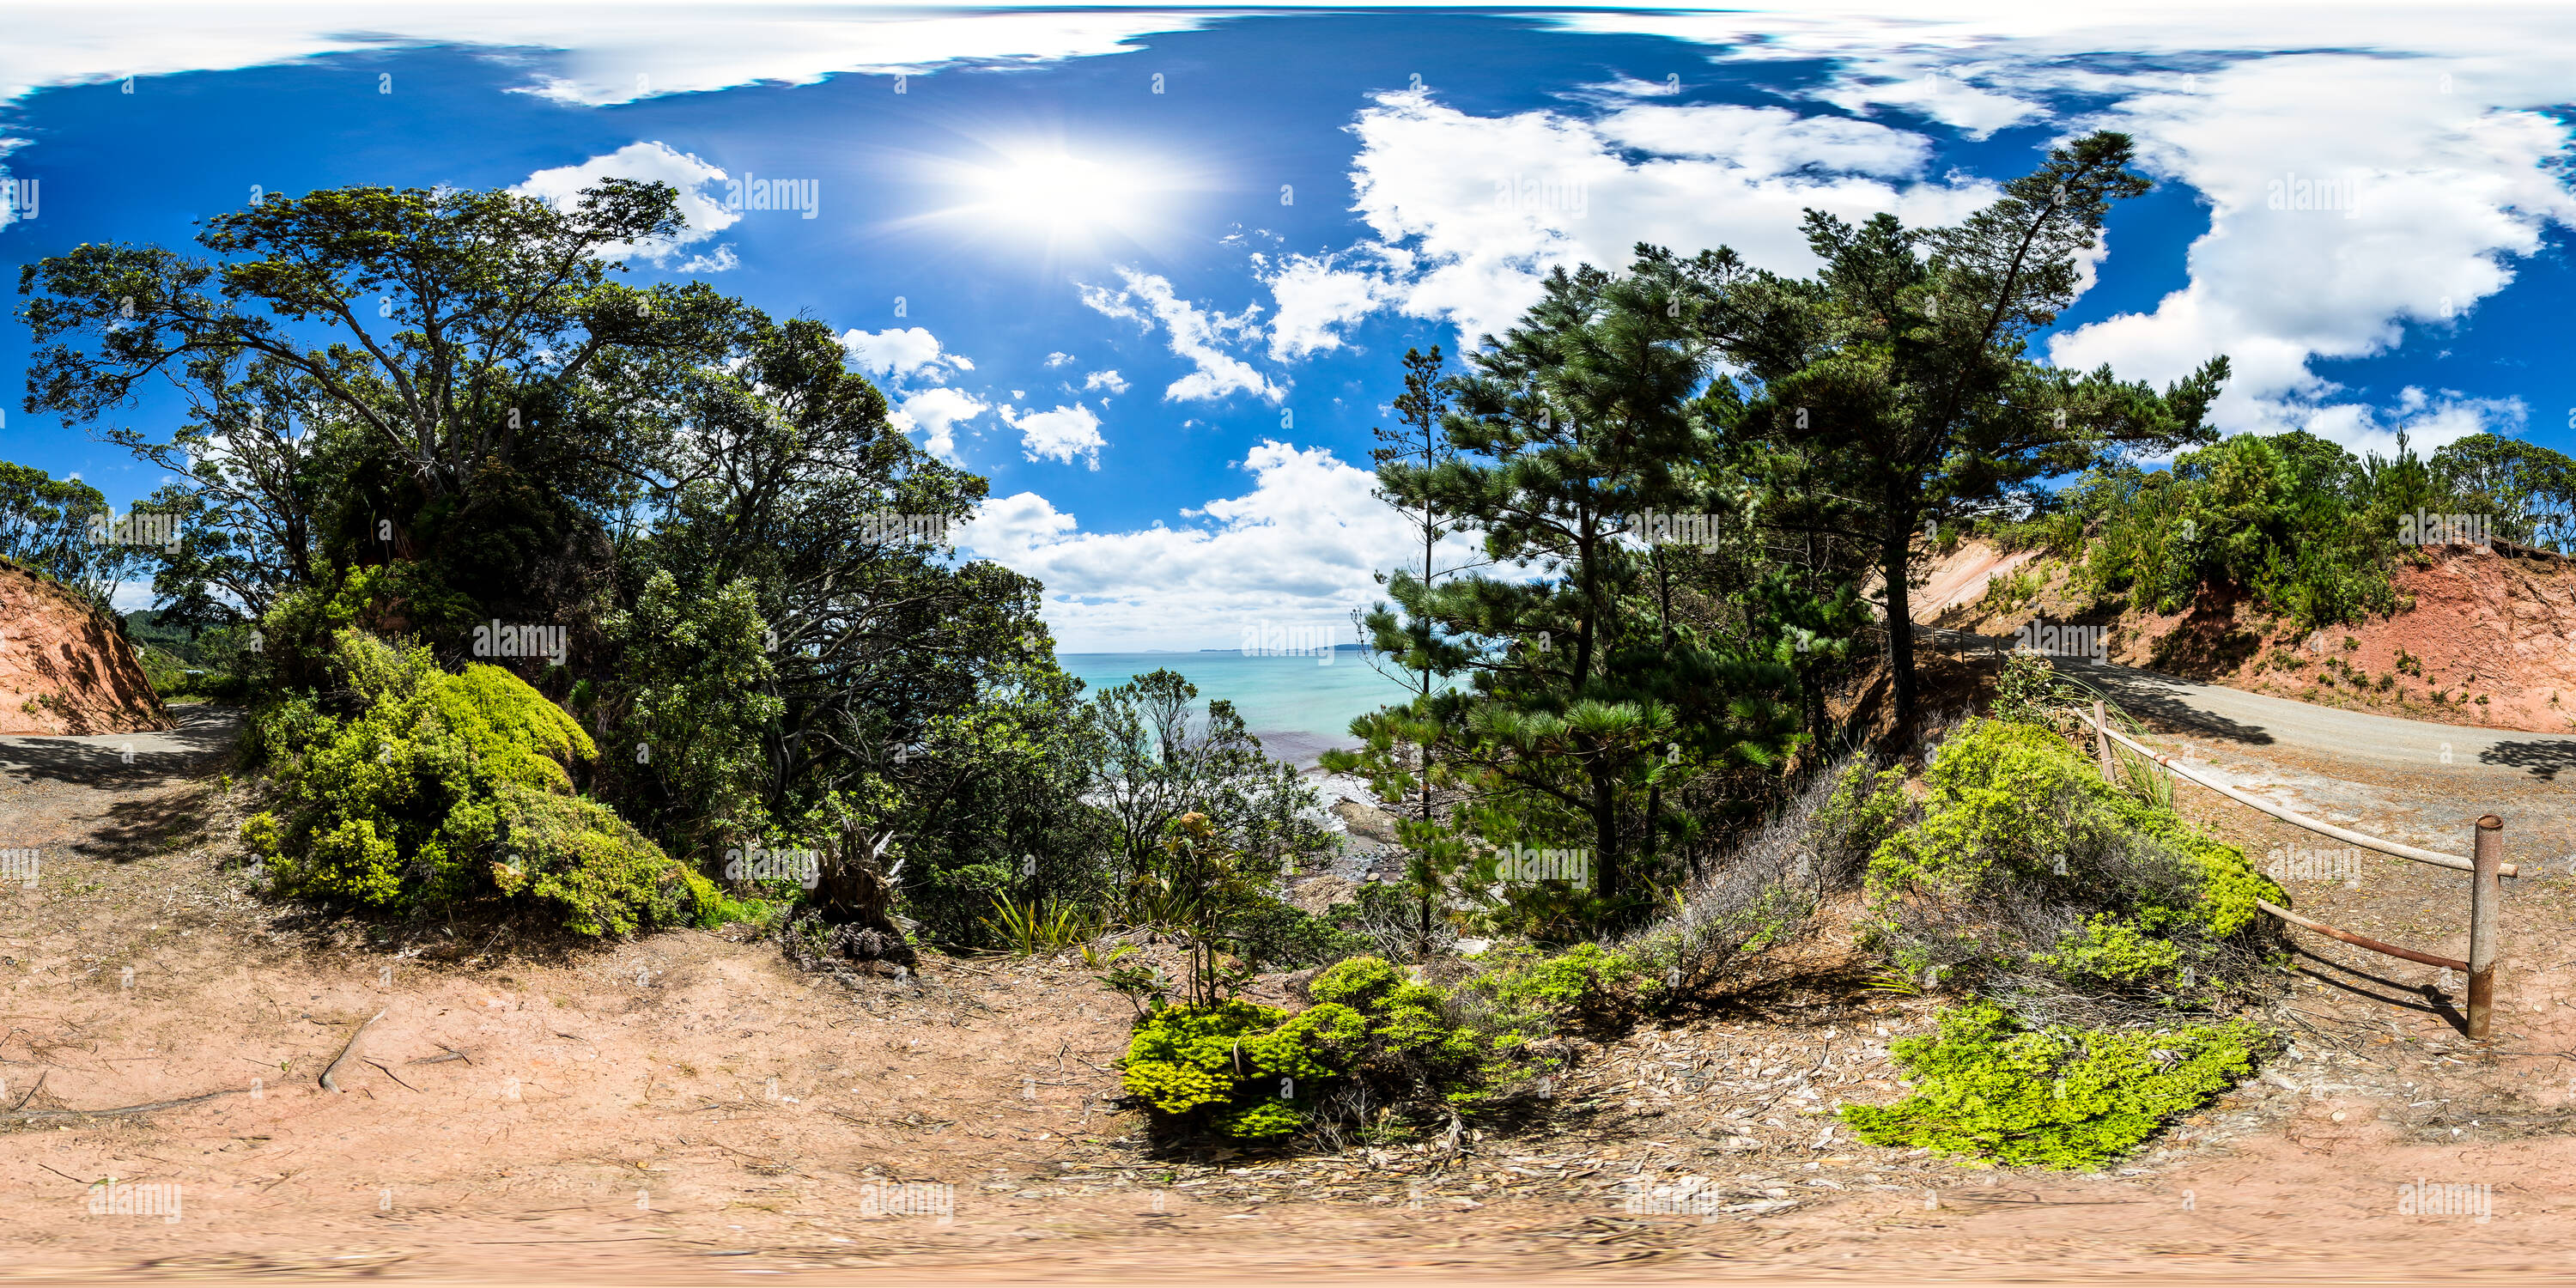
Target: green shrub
(2021, 831)
(2008, 591)
(1028, 929)
(450, 787)
(1587, 983)
(2115, 952)
(1232, 1067)
(167, 671)
(1249, 1072)
(2309, 532)
(2056, 1097)
(1275, 934)
(2031, 691)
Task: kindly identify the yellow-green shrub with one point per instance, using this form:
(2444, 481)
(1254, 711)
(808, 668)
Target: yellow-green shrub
(448, 787)
(1251, 1072)
(1586, 983)
(2017, 819)
(2054, 1097)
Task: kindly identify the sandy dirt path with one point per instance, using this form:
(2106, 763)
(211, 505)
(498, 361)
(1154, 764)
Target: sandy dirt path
(686, 1108)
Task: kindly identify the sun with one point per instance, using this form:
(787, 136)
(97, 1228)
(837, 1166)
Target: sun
(1063, 199)
(1061, 191)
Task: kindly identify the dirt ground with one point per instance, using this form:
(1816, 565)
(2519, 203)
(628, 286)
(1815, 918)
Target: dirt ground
(687, 1107)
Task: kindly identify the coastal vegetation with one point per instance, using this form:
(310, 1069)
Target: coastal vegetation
(602, 608)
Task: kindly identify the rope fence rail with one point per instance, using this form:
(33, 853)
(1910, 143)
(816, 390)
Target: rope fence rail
(2486, 867)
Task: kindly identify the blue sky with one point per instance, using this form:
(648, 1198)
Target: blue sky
(1163, 323)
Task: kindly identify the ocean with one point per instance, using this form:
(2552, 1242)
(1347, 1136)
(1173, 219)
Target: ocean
(1295, 706)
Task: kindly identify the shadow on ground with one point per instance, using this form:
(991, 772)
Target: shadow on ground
(2144, 695)
(125, 760)
(2543, 758)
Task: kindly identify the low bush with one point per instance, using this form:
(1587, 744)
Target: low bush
(2029, 877)
(1274, 934)
(1373, 1041)
(443, 788)
(1762, 893)
(1586, 985)
(2054, 1097)
(1858, 812)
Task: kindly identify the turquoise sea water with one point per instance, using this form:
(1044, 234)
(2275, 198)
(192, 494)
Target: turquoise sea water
(1294, 706)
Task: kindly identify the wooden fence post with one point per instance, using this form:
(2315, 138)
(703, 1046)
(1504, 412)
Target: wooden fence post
(2102, 740)
(2486, 896)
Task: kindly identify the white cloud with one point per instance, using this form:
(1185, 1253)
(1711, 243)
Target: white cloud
(583, 53)
(1194, 334)
(1059, 435)
(936, 412)
(1469, 212)
(1058, 359)
(1298, 548)
(1631, 87)
(703, 215)
(1943, 93)
(2438, 193)
(1109, 380)
(1315, 299)
(1767, 142)
(900, 358)
(902, 354)
(1115, 304)
(2447, 132)
(723, 259)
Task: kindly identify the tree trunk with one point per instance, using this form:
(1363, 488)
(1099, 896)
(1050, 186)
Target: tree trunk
(1900, 611)
(1654, 813)
(1605, 834)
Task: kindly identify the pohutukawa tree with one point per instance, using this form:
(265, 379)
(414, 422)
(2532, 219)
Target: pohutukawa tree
(461, 365)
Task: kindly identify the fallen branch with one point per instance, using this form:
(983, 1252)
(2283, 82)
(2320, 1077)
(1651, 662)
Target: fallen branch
(343, 1057)
(391, 1074)
(452, 1054)
(31, 1091)
(120, 1112)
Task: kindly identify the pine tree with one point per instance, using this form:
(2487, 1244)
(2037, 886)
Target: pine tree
(1902, 368)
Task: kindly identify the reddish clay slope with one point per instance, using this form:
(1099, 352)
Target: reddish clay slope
(2494, 636)
(2487, 639)
(65, 669)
